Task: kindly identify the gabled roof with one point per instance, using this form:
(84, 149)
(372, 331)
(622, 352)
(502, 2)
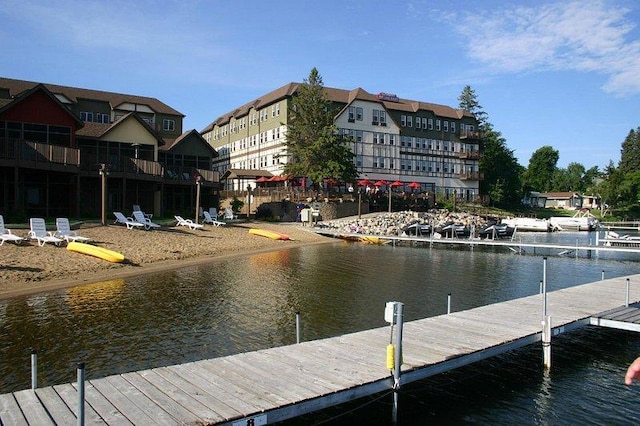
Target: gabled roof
(16, 87)
(341, 96)
(7, 104)
(191, 133)
(99, 130)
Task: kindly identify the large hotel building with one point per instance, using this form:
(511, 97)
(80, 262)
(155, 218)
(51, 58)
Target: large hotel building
(434, 145)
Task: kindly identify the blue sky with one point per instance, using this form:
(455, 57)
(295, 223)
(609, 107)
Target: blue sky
(558, 73)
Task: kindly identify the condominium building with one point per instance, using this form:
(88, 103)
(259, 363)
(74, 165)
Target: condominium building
(436, 146)
(60, 146)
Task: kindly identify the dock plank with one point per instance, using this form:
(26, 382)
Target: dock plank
(69, 395)
(56, 407)
(10, 412)
(33, 410)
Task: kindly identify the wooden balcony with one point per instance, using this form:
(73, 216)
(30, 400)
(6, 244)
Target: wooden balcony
(470, 155)
(470, 176)
(470, 135)
(35, 155)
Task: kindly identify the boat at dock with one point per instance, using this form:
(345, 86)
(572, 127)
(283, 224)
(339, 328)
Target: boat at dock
(580, 221)
(529, 224)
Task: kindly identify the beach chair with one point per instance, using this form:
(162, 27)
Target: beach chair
(63, 230)
(188, 222)
(136, 208)
(6, 235)
(211, 220)
(213, 212)
(139, 217)
(127, 221)
(228, 214)
(39, 232)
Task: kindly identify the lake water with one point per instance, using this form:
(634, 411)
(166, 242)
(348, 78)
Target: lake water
(250, 303)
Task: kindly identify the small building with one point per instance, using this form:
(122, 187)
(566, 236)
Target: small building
(570, 201)
(535, 199)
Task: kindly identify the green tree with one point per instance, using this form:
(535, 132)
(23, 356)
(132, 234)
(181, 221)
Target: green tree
(498, 165)
(314, 147)
(542, 166)
(630, 152)
(468, 101)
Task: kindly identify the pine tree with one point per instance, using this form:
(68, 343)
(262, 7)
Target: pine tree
(498, 165)
(630, 152)
(314, 147)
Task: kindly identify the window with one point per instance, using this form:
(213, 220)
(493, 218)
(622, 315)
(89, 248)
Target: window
(168, 125)
(417, 122)
(446, 126)
(383, 118)
(392, 139)
(352, 114)
(403, 120)
(359, 135)
(86, 116)
(424, 123)
(359, 113)
(103, 118)
(409, 121)
(437, 124)
(431, 124)
(376, 116)
(453, 127)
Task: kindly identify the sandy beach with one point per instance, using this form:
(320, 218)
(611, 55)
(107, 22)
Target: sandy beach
(28, 268)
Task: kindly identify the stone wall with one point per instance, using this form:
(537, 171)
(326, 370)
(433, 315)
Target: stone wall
(286, 211)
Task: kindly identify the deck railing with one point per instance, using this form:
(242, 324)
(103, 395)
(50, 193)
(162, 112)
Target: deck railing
(38, 153)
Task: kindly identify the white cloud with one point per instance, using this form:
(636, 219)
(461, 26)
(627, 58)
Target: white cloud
(578, 36)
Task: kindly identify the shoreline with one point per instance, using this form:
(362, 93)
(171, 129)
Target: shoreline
(27, 269)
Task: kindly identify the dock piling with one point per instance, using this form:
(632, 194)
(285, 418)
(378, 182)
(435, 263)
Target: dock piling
(80, 373)
(34, 369)
(297, 327)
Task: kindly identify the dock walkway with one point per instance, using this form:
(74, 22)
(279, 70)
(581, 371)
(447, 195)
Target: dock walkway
(275, 384)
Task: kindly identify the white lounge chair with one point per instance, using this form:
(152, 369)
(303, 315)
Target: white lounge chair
(188, 222)
(63, 230)
(229, 215)
(213, 212)
(39, 232)
(6, 235)
(127, 221)
(212, 221)
(136, 208)
(139, 217)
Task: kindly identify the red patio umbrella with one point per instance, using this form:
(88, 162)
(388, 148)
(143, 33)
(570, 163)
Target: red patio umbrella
(414, 185)
(262, 179)
(380, 183)
(396, 184)
(364, 182)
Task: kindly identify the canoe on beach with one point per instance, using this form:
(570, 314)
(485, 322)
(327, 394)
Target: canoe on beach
(269, 234)
(99, 252)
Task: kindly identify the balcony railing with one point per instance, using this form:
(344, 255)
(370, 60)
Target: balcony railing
(470, 134)
(38, 154)
(470, 176)
(470, 155)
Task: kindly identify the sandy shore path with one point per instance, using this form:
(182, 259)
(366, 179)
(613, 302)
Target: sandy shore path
(28, 268)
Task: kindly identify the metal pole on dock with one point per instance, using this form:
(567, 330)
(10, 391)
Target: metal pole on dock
(603, 275)
(393, 314)
(448, 303)
(627, 296)
(546, 319)
(34, 369)
(80, 394)
(546, 341)
(297, 327)
(398, 360)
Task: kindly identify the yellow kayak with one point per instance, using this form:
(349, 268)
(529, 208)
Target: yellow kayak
(269, 234)
(102, 253)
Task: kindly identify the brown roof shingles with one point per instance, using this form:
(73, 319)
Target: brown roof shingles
(16, 87)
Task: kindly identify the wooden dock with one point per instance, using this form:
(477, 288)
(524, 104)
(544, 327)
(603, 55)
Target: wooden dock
(275, 384)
